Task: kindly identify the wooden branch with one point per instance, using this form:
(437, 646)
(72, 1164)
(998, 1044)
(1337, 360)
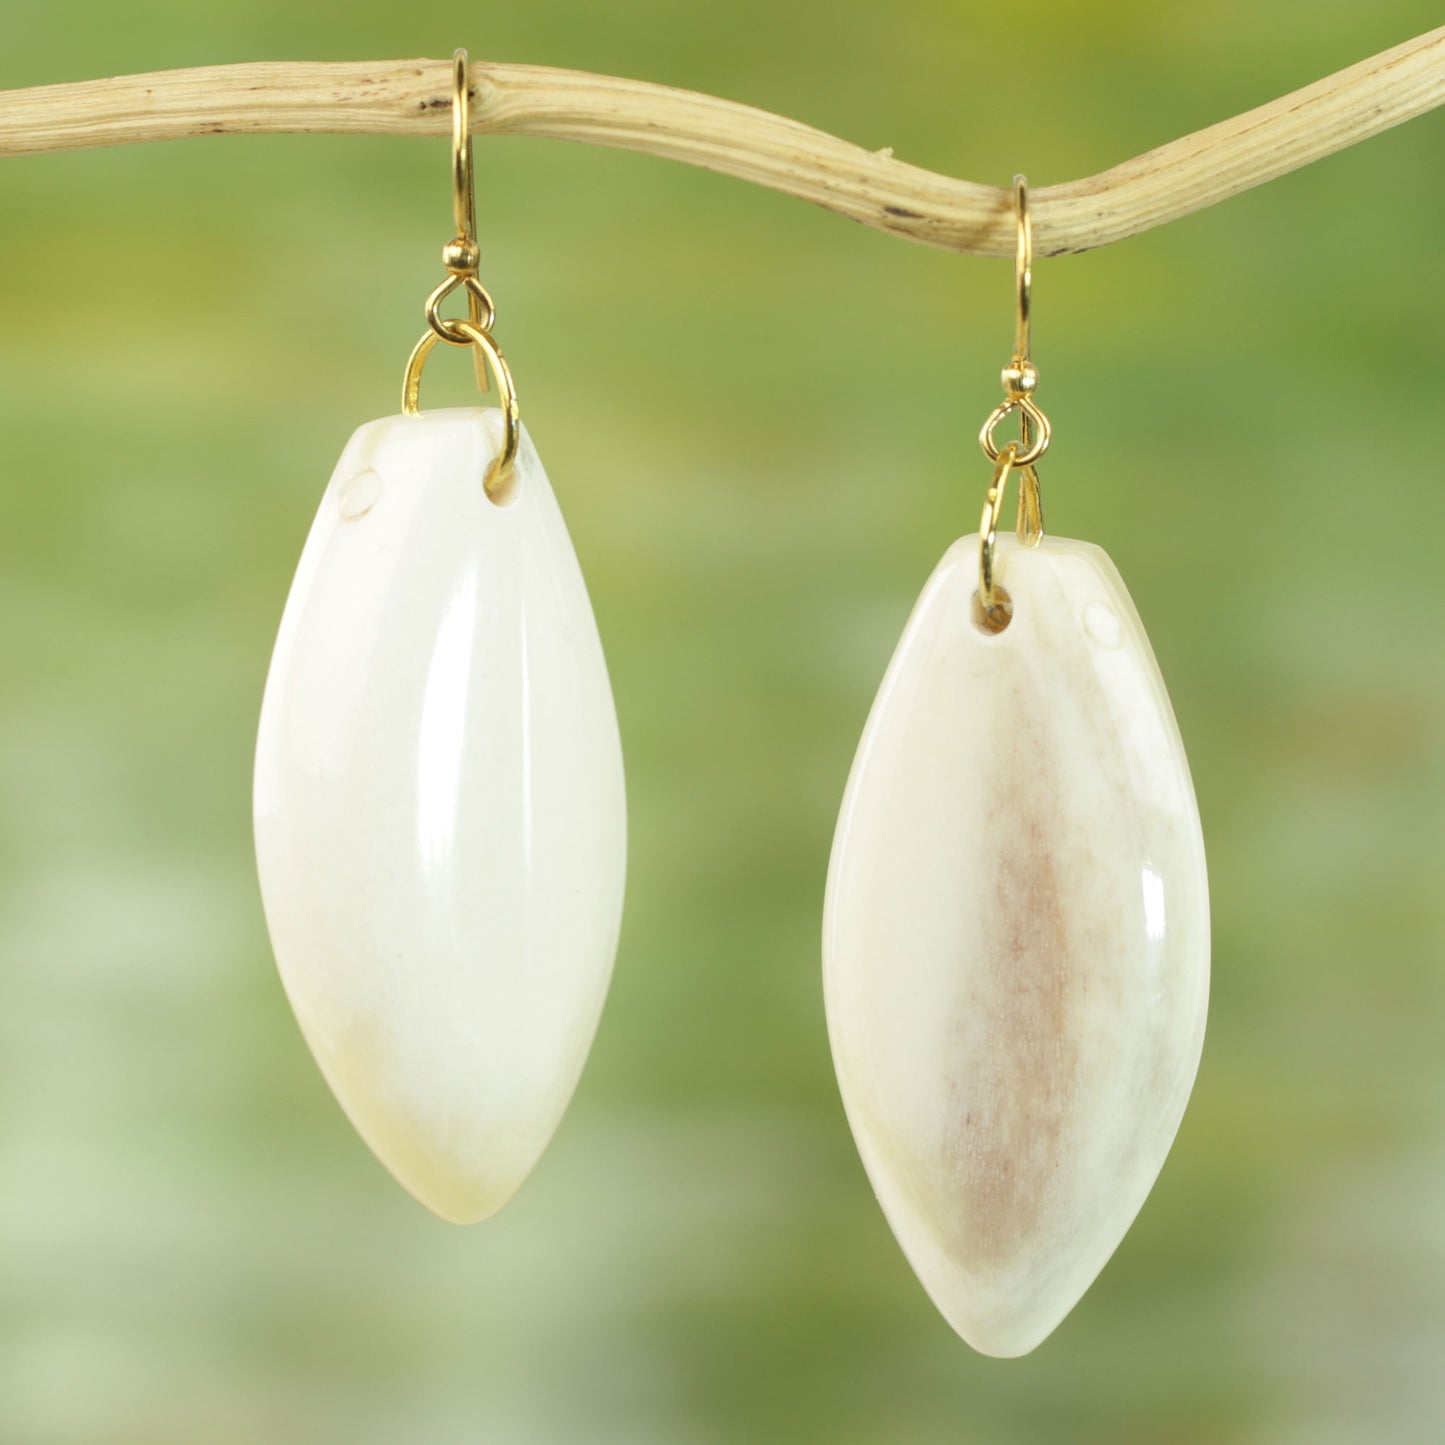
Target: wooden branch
(413, 98)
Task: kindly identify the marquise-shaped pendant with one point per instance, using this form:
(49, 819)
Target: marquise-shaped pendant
(440, 824)
(1016, 939)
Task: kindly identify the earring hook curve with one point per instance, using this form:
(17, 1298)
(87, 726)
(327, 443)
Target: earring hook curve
(464, 194)
(1020, 381)
(461, 256)
(1023, 270)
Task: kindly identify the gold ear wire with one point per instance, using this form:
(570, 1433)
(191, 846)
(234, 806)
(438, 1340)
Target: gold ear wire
(464, 195)
(1020, 376)
(1023, 268)
(1020, 381)
(461, 256)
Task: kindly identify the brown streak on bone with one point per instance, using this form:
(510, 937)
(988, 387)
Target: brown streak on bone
(1014, 1107)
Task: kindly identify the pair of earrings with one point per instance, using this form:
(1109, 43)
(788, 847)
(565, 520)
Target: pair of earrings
(1016, 922)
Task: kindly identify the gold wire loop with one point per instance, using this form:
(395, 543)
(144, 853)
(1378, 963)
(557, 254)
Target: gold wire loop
(481, 309)
(1034, 427)
(489, 355)
(1029, 527)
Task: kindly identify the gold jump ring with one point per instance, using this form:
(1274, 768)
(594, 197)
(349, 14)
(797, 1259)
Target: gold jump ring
(499, 474)
(1030, 528)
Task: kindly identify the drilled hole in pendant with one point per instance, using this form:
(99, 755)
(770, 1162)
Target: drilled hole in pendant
(993, 620)
(500, 490)
(504, 492)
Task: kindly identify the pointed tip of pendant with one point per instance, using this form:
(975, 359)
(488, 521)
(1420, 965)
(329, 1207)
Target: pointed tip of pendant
(1005, 1329)
(1005, 1339)
(460, 1200)
(460, 1214)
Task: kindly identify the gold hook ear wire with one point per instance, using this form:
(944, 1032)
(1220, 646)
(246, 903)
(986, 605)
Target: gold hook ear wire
(1020, 381)
(1020, 377)
(464, 195)
(461, 256)
(1023, 270)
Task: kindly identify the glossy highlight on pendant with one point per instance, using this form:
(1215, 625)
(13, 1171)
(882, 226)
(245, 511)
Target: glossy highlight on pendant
(439, 810)
(1016, 937)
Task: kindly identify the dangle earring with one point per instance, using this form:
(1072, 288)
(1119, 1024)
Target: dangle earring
(1016, 933)
(440, 823)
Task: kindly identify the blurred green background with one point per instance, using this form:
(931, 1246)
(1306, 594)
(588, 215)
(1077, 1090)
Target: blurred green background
(760, 420)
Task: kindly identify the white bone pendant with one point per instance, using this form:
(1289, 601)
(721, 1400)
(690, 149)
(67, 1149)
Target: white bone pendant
(1016, 938)
(440, 824)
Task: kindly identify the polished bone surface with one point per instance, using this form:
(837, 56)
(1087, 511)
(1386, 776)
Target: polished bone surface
(440, 825)
(1016, 940)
